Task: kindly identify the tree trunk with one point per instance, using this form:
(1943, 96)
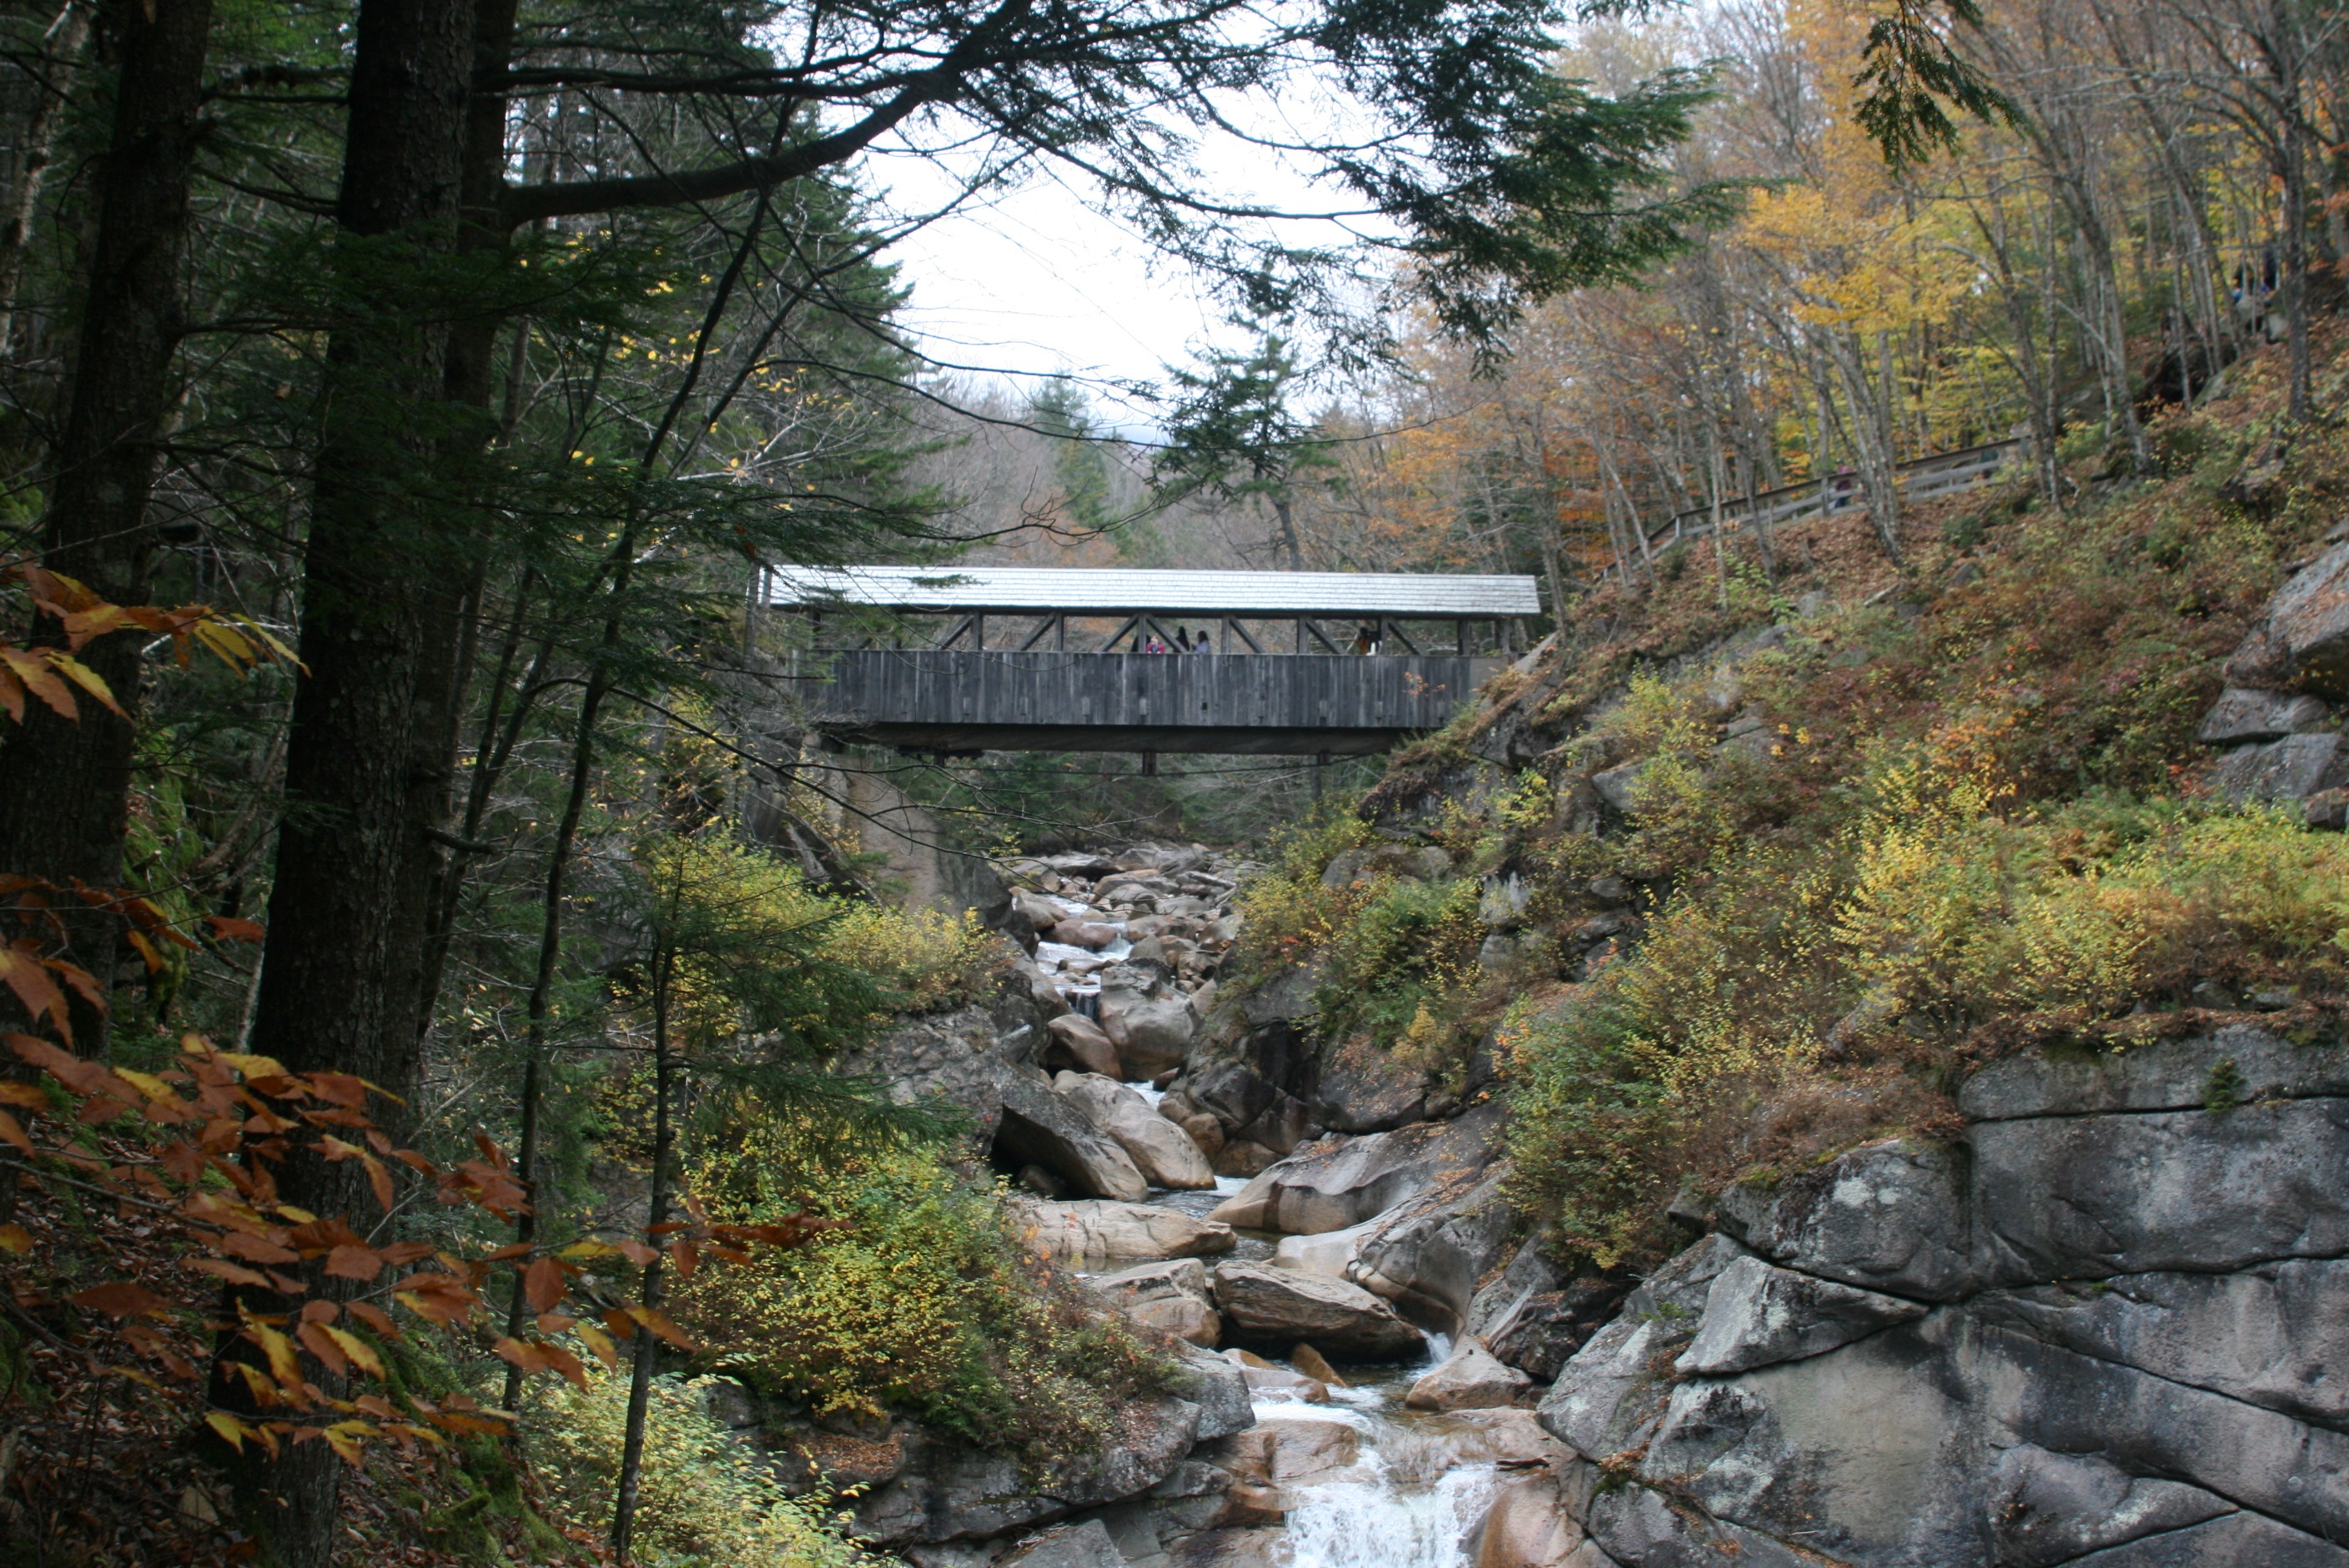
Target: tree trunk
(1281, 510)
(343, 959)
(640, 1379)
(65, 785)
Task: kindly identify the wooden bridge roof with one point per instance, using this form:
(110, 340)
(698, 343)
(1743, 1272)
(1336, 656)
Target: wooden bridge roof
(1080, 591)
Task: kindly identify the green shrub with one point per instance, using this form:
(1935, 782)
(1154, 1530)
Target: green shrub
(703, 1500)
(924, 1302)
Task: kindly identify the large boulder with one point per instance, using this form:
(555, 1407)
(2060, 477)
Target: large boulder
(1173, 1297)
(1278, 1307)
(2242, 716)
(1287, 1448)
(1085, 1044)
(1330, 1253)
(2102, 1330)
(1429, 1255)
(1249, 1108)
(1534, 1315)
(1091, 1234)
(1331, 1186)
(2293, 768)
(947, 1492)
(1532, 1523)
(1151, 1032)
(2301, 644)
(964, 1056)
(1041, 1128)
(1468, 1380)
(1219, 1389)
(1162, 1151)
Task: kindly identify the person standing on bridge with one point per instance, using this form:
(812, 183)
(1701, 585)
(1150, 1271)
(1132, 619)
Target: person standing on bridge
(1182, 639)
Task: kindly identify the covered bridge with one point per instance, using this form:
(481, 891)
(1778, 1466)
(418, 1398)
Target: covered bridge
(1023, 658)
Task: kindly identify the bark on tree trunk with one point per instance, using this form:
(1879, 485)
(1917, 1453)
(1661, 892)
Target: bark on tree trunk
(640, 1379)
(343, 960)
(65, 785)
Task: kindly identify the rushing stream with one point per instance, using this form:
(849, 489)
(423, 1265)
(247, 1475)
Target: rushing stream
(1406, 1503)
(1406, 1487)
(1409, 1500)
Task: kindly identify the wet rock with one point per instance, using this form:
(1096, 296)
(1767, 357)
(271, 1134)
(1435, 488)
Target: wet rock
(2048, 1509)
(1162, 1151)
(1263, 1376)
(1314, 1365)
(1153, 1034)
(2293, 768)
(1085, 1545)
(1757, 1314)
(1429, 1255)
(1890, 1216)
(1273, 1306)
(1287, 1449)
(2241, 715)
(1090, 1234)
(1086, 1045)
(1468, 1379)
(1087, 933)
(1531, 1524)
(1173, 1297)
(946, 1492)
(1331, 1188)
(1330, 1253)
(1041, 1128)
(1217, 1387)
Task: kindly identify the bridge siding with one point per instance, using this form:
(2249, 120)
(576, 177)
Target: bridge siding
(1319, 691)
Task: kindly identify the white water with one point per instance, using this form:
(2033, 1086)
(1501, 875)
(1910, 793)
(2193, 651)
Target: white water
(1388, 1522)
(1408, 1503)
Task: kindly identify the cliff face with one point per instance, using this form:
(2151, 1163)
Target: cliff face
(2102, 1327)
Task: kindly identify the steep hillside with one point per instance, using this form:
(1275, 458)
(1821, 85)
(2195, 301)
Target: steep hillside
(1744, 867)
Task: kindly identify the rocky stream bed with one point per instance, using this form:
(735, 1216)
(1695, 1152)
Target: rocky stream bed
(2101, 1326)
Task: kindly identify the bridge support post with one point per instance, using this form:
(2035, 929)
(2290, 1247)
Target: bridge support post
(1149, 765)
(1320, 770)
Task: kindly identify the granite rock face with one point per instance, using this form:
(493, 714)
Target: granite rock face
(2104, 1328)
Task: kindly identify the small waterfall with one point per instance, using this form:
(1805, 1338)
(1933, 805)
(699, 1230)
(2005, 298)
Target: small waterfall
(1388, 1518)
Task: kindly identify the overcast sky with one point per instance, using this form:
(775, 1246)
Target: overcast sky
(1033, 283)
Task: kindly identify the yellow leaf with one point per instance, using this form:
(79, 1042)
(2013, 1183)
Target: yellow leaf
(231, 1429)
(361, 1353)
(89, 679)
